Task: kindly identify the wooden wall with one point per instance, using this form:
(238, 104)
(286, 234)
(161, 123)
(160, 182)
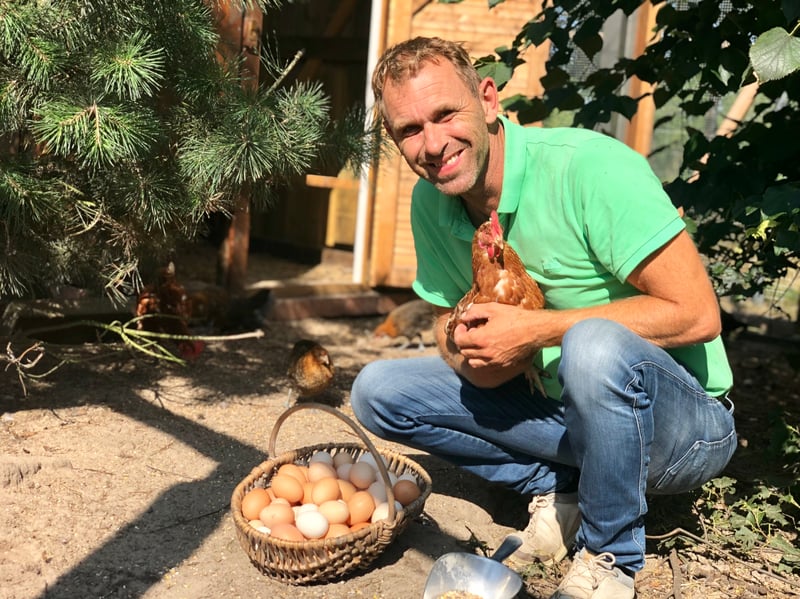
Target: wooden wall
(392, 262)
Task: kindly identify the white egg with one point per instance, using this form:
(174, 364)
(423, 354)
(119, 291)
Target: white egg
(382, 511)
(378, 491)
(321, 456)
(312, 524)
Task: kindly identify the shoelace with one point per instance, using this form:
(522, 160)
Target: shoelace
(591, 571)
(538, 502)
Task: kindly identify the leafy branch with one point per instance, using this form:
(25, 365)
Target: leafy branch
(142, 341)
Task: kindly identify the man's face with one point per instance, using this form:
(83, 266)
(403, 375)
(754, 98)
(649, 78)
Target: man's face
(441, 126)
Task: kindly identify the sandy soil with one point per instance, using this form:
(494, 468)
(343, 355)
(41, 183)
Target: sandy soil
(116, 475)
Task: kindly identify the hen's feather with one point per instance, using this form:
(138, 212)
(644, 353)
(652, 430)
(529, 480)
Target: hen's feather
(310, 368)
(498, 275)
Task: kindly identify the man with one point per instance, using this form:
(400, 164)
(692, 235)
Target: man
(637, 393)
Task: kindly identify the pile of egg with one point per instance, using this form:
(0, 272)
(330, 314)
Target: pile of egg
(332, 496)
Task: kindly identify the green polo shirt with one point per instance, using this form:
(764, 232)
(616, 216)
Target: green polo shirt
(582, 210)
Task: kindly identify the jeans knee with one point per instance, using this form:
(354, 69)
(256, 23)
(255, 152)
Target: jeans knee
(364, 387)
(589, 347)
(373, 396)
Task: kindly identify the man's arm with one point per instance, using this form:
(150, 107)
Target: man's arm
(677, 307)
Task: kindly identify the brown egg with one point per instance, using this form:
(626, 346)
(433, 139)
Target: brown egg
(287, 532)
(319, 470)
(307, 488)
(337, 530)
(294, 471)
(358, 526)
(325, 489)
(406, 491)
(287, 487)
(361, 506)
(362, 475)
(253, 502)
(276, 513)
(347, 489)
(335, 512)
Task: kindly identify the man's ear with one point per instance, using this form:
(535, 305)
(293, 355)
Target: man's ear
(487, 90)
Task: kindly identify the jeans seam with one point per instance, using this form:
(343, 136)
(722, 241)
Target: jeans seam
(641, 492)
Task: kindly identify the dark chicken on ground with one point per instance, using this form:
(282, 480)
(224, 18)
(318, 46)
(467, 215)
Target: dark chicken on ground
(498, 275)
(166, 308)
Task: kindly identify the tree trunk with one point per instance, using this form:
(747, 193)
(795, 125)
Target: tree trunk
(240, 33)
(233, 251)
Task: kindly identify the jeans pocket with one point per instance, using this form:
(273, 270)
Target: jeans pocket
(703, 461)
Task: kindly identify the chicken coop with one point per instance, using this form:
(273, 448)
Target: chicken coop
(364, 220)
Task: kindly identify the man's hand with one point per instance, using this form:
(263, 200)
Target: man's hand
(490, 349)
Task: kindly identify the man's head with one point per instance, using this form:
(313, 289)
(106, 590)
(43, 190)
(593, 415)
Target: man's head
(441, 115)
(404, 60)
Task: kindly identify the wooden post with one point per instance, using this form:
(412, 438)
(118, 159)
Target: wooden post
(639, 135)
(240, 34)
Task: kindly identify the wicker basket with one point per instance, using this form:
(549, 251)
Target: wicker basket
(325, 559)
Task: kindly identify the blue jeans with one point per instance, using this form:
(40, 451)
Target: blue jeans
(631, 420)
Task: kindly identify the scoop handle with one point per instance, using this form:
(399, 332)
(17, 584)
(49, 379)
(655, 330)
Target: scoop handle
(509, 545)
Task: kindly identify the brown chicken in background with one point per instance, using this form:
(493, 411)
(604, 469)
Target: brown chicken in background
(310, 369)
(498, 275)
(168, 310)
(408, 321)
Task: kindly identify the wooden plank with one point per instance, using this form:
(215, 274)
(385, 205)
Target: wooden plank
(331, 182)
(639, 134)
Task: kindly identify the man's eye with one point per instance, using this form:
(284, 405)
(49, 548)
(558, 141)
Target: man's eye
(409, 132)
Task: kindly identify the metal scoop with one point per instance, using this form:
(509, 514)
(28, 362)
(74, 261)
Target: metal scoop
(482, 576)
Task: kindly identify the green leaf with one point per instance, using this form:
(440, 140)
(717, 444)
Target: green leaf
(775, 54)
(498, 71)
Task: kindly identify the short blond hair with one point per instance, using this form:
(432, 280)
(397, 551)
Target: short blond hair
(405, 59)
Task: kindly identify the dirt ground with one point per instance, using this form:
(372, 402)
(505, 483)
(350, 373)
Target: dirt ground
(116, 476)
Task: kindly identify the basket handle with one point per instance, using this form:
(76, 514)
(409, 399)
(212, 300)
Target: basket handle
(357, 429)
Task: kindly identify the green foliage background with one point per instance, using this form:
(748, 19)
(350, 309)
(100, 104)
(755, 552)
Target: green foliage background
(744, 203)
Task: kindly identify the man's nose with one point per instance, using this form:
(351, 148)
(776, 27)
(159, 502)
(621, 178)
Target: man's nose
(435, 141)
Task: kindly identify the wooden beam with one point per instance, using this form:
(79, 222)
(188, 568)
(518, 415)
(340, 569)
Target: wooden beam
(639, 134)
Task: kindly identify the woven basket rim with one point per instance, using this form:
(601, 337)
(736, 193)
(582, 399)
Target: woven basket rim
(317, 560)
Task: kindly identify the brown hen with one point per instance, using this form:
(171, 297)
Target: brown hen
(310, 369)
(409, 320)
(167, 308)
(498, 275)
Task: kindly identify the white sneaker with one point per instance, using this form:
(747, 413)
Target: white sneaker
(595, 577)
(550, 533)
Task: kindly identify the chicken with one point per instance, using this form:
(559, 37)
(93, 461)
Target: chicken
(167, 309)
(498, 275)
(310, 369)
(213, 307)
(410, 321)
